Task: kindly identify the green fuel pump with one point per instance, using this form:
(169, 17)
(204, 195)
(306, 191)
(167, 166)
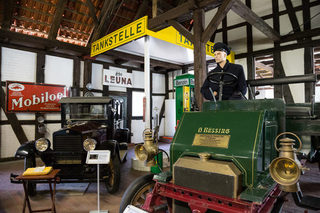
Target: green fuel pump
(184, 85)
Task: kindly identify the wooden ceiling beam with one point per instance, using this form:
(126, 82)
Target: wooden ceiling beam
(247, 14)
(106, 12)
(143, 8)
(92, 12)
(186, 33)
(216, 20)
(300, 35)
(171, 14)
(57, 19)
(182, 12)
(140, 59)
(8, 13)
(120, 61)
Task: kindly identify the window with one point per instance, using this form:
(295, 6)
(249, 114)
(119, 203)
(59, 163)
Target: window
(264, 69)
(137, 103)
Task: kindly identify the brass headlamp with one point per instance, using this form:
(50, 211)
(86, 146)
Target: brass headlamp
(286, 168)
(148, 150)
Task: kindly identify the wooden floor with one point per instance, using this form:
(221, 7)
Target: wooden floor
(11, 195)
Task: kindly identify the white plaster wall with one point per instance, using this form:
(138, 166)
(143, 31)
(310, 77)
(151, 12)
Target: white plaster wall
(295, 3)
(260, 40)
(293, 64)
(158, 82)
(315, 21)
(119, 89)
(262, 8)
(317, 96)
(170, 117)
(285, 24)
(138, 79)
(157, 102)
(237, 40)
(58, 70)
(3, 116)
(96, 76)
(9, 141)
(53, 116)
(18, 65)
(81, 74)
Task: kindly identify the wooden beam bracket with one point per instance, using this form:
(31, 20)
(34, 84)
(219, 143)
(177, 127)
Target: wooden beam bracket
(214, 23)
(247, 14)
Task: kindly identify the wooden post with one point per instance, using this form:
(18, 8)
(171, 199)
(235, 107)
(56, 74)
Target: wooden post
(76, 76)
(154, 8)
(40, 72)
(87, 74)
(199, 55)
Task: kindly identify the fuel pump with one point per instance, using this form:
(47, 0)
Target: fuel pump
(184, 86)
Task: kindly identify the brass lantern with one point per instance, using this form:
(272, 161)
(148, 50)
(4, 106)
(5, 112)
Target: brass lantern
(286, 168)
(148, 150)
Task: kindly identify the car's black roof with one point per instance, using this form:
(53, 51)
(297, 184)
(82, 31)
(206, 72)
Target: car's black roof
(89, 100)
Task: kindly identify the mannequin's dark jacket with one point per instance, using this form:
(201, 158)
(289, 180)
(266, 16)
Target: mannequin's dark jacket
(230, 92)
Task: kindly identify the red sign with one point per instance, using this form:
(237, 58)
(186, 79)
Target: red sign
(32, 97)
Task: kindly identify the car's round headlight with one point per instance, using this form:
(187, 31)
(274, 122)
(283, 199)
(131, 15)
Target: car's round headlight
(42, 144)
(89, 144)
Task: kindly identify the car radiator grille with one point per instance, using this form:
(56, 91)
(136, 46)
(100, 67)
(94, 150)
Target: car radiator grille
(67, 143)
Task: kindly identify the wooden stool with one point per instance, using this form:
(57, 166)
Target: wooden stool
(51, 178)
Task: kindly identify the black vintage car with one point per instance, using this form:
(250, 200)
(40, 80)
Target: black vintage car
(87, 123)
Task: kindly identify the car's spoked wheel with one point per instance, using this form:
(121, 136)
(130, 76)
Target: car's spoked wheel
(136, 193)
(141, 196)
(113, 181)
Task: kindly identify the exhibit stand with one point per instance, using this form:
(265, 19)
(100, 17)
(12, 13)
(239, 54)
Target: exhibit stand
(98, 157)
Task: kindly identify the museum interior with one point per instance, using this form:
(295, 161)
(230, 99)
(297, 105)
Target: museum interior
(160, 106)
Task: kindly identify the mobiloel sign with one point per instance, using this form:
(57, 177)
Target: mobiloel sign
(32, 97)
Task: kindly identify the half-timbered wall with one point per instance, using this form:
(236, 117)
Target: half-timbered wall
(20, 65)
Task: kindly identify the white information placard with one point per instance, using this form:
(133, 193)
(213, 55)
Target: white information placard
(98, 157)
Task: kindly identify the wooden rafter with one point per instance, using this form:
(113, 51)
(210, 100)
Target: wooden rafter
(57, 19)
(216, 20)
(92, 12)
(292, 17)
(171, 14)
(106, 12)
(243, 11)
(186, 33)
(13, 120)
(8, 8)
(143, 8)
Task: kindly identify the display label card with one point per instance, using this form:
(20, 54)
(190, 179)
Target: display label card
(98, 157)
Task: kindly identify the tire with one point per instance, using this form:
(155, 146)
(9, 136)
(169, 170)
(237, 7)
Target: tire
(133, 194)
(31, 187)
(113, 180)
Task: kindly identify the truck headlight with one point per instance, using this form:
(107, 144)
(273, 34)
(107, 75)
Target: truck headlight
(89, 144)
(42, 144)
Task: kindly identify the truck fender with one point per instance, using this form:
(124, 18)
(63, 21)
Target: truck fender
(113, 146)
(26, 150)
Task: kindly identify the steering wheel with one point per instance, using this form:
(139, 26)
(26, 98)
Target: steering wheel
(212, 77)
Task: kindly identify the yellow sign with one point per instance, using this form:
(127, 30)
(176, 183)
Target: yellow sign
(170, 34)
(186, 98)
(121, 36)
(211, 140)
(183, 41)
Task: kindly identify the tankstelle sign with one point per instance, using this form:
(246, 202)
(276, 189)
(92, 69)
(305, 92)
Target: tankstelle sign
(32, 97)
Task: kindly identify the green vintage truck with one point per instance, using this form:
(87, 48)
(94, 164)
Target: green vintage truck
(220, 161)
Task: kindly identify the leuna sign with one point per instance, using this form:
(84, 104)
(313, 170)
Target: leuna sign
(31, 97)
(115, 78)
